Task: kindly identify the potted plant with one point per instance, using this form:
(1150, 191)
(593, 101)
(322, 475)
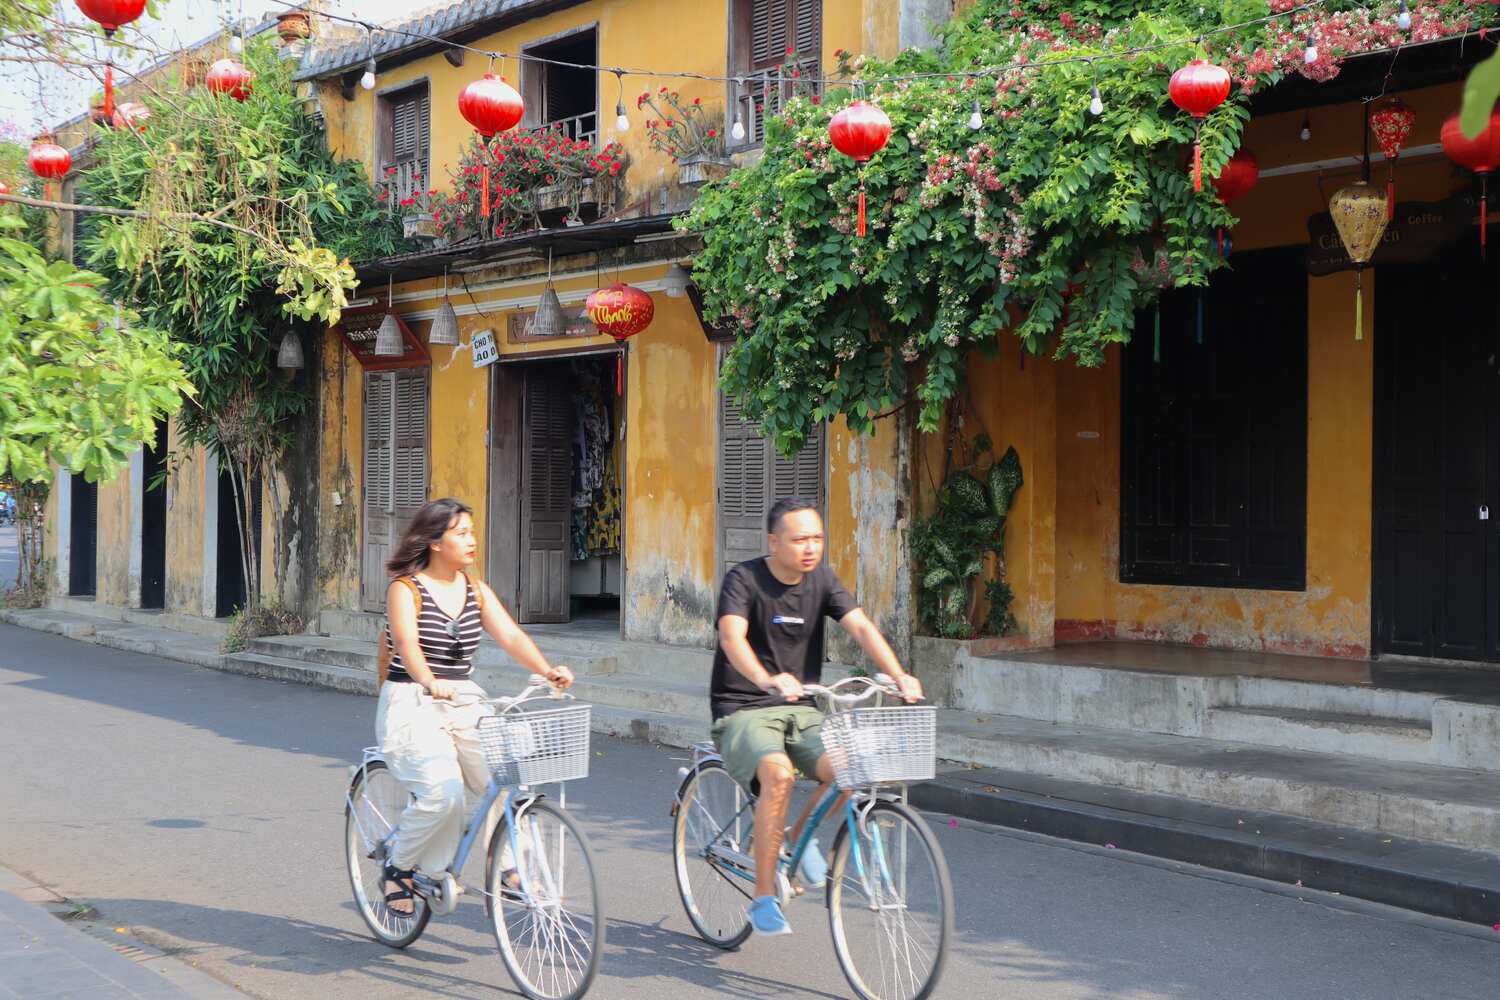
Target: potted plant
(684, 131)
(418, 211)
(293, 26)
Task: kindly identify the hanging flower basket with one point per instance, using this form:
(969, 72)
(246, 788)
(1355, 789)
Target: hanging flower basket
(697, 170)
(293, 26)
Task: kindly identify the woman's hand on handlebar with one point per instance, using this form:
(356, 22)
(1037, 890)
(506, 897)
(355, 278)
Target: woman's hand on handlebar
(559, 677)
(910, 688)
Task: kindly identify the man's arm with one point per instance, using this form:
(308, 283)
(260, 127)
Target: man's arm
(733, 632)
(864, 632)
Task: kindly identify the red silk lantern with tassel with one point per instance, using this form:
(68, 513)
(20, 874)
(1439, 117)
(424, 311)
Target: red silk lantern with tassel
(1480, 154)
(1391, 122)
(229, 77)
(490, 105)
(1237, 177)
(1198, 88)
(110, 15)
(622, 311)
(131, 115)
(49, 161)
(4, 188)
(860, 131)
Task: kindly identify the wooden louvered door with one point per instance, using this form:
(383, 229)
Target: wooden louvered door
(546, 497)
(395, 469)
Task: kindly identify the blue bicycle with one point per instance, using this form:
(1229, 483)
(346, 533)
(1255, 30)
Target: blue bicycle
(889, 894)
(540, 890)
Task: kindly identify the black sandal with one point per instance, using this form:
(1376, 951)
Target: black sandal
(510, 883)
(402, 879)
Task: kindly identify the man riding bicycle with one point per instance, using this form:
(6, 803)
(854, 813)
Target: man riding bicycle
(770, 617)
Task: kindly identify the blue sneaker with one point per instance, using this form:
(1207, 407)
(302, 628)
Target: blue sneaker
(812, 869)
(766, 917)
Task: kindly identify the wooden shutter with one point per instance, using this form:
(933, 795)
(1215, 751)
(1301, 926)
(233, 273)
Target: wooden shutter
(807, 32)
(800, 476)
(410, 140)
(743, 493)
(409, 489)
(379, 486)
(776, 25)
(547, 498)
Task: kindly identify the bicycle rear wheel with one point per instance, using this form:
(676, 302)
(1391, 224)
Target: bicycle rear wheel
(712, 813)
(376, 801)
(551, 929)
(890, 904)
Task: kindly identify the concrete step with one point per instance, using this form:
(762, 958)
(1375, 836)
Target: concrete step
(1323, 731)
(214, 628)
(348, 679)
(360, 653)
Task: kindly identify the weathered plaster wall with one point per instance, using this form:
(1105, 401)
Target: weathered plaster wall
(186, 511)
(1332, 616)
(113, 564)
(340, 458)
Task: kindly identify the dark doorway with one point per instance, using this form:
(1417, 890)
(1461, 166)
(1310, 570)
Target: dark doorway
(1437, 460)
(83, 537)
(230, 592)
(154, 521)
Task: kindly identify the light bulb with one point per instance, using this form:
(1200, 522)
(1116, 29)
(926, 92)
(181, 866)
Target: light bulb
(1096, 104)
(236, 43)
(1310, 54)
(737, 131)
(1306, 132)
(976, 119)
(1403, 19)
(622, 123)
(368, 80)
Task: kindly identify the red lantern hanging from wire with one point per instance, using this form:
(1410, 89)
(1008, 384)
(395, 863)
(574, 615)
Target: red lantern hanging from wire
(1480, 154)
(230, 78)
(859, 131)
(48, 160)
(1198, 88)
(1391, 122)
(492, 106)
(1235, 180)
(4, 188)
(110, 15)
(131, 115)
(622, 311)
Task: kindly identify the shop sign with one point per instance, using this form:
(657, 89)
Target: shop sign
(1419, 233)
(485, 352)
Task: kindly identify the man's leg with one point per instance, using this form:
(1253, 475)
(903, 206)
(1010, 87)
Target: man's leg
(776, 777)
(825, 782)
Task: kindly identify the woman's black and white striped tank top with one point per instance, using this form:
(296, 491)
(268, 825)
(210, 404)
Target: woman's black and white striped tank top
(447, 643)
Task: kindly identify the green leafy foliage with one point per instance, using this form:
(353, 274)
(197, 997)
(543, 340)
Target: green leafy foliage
(1026, 227)
(81, 384)
(1481, 91)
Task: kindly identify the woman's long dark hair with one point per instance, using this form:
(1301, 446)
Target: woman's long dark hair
(427, 525)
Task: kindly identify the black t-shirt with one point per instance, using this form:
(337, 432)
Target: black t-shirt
(786, 630)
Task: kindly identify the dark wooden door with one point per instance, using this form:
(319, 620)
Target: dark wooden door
(230, 592)
(546, 496)
(154, 521)
(1437, 550)
(83, 537)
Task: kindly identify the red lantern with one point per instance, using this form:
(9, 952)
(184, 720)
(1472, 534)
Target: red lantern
(622, 311)
(1391, 122)
(131, 115)
(49, 161)
(4, 188)
(111, 14)
(1237, 177)
(491, 105)
(1480, 154)
(229, 77)
(860, 131)
(1198, 88)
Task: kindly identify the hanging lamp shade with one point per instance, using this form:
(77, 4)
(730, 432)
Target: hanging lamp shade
(444, 326)
(48, 160)
(1198, 88)
(676, 281)
(229, 77)
(1391, 122)
(1480, 154)
(289, 354)
(388, 340)
(1359, 215)
(549, 320)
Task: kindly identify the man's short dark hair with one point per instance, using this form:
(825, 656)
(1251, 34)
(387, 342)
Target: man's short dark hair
(782, 508)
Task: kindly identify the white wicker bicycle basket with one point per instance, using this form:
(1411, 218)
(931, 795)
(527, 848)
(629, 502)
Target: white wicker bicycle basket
(538, 746)
(868, 746)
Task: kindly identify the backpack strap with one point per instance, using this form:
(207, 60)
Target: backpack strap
(478, 590)
(385, 652)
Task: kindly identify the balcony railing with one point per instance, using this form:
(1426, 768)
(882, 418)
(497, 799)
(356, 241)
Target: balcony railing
(579, 128)
(756, 96)
(403, 183)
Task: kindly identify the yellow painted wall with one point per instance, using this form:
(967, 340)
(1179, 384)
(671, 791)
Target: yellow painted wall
(113, 585)
(186, 504)
(1333, 615)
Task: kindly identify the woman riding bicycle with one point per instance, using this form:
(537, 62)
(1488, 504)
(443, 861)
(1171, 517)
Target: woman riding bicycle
(436, 611)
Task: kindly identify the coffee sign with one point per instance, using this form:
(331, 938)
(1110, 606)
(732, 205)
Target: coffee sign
(1419, 233)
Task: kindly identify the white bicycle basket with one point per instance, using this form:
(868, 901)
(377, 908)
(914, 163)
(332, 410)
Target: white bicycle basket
(868, 746)
(535, 747)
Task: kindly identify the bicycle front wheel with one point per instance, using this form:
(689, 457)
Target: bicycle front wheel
(890, 904)
(550, 927)
(376, 802)
(712, 816)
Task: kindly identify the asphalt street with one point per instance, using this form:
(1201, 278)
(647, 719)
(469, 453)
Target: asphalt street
(202, 812)
(10, 557)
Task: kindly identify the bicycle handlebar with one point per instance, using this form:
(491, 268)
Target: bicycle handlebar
(535, 684)
(872, 686)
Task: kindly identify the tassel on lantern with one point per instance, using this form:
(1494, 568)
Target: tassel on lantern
(1197, 163)
(1390, 199)
(1359, 303)
(620, 373)
(109, 90)
(860, 228)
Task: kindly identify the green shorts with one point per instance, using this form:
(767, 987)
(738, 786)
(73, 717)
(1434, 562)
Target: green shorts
(746, 736)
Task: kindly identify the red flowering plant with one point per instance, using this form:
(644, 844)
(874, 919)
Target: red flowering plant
(681, 129)
(520, 165)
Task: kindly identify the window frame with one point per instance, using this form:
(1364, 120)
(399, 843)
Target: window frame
(385, 139)
(746, 87)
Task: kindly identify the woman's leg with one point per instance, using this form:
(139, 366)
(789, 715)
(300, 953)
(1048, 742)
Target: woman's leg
(422, 756)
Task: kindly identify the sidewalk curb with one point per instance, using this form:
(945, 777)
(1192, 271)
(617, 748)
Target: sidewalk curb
(120, 945)
(1446, 887)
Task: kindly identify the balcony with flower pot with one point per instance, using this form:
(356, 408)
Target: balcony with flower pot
(688, 133)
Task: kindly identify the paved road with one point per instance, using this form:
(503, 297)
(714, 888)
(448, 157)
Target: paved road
(202, 811)
(10, 557)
